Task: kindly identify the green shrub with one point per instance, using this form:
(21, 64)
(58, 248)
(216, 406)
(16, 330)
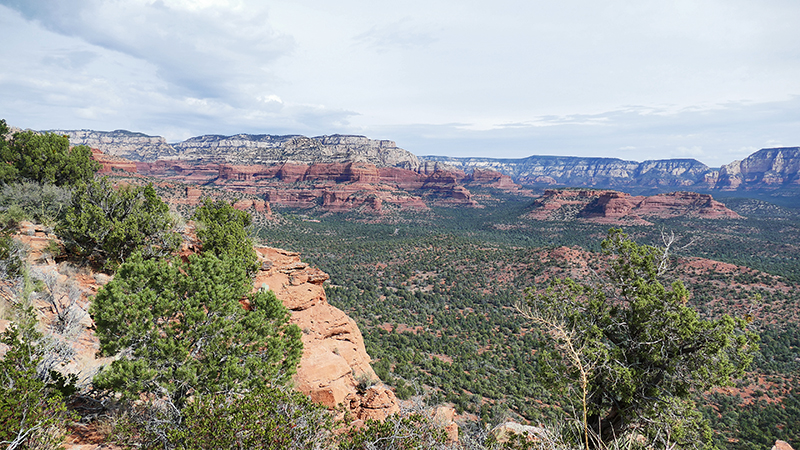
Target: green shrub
(266, 418)
(12, 257)
(32, 409)
(43, 203)
(110, 225)
(179, 330)
(223, 231)
(12, 216)
(412, 431)
(44, 158)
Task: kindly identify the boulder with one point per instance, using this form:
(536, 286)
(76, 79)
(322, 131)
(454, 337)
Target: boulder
(781, 445)
(503, 432)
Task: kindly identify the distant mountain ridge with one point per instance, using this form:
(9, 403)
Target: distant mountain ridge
(767, 169)
(773, 168)
(248, 149)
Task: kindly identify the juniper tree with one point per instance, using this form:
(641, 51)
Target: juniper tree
(44, 158)
(634, 349)
(110, 224)
(179, 329)
(223, 230)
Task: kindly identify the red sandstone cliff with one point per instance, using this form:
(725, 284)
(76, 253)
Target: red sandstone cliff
(612, 207)
(331, 186)
(333, 348)
(334, 356)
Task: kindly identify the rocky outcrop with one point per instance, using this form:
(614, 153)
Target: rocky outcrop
(683, 204)
(770, 168)
(334, 358)
(332, 186)
(612, 207)
(781, 445)
(122, 143)
(599, 172)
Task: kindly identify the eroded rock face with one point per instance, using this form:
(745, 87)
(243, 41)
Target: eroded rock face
(612, 207)
(248, 149)
(769, 168)
(691, 204)
(377, 403)
(334, 357)
(332, 186)
(122, 143)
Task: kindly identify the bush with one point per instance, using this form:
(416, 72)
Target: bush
(634, 351)
(266, 418)
(110, 225)
(32, 409)
(44, 158)
(406, 432)
(179, 330)
(43, 203)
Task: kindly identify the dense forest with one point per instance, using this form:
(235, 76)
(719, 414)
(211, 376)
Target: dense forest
(435, 295)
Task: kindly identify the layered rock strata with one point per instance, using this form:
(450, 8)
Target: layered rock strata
(122, 143)
(612, 207)
(766, 169)
(331, 186)
(334, 358)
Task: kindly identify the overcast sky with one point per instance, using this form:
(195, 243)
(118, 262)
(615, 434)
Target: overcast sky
(710, 80)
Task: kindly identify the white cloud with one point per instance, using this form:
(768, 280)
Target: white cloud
(644, 79)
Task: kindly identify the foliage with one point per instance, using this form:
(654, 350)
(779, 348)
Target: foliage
(7, 171)
(12, 261)
(44, 158)
(32, 409)
(43, 203)
(406, 432)
(642, 351)
(444, 281)
(180, 330)
(111, 224)
(223, 230)
(265, 418)
(755, 425)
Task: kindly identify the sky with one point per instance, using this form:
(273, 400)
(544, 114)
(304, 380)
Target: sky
(713, 80)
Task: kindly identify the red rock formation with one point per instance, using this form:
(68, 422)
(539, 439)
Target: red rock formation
(493, 179)
(676, 204)
(612, 207)
(332, 186)
(109, 164)
(334, 356)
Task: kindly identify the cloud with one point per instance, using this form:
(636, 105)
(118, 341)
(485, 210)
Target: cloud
(714, 136)
(204, 49)
(403, 34)
(639, 81)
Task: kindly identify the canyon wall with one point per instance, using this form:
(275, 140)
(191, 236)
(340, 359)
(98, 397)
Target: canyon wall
(767, 169)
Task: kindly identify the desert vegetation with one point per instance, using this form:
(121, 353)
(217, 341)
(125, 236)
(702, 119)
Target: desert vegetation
(609, 344)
